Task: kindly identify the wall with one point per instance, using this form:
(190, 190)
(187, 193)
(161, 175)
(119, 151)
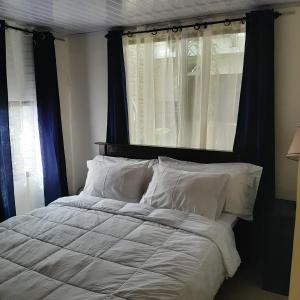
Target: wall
(87, 57)
(287, 97)
(82, 73)
(63, 76)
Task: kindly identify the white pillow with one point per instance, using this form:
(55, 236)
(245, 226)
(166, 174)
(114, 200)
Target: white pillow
(117, 159)
(242, 186)
(187, 191)
(123, 181)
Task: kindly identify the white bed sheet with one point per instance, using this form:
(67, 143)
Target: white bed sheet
(85, 247)
(228, 219)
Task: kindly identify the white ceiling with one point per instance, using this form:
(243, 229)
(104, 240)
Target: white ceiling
(79, 16)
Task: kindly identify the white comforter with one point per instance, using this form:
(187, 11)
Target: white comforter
(84, 247)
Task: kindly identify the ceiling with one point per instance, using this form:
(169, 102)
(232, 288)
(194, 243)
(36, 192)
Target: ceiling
(80, 16)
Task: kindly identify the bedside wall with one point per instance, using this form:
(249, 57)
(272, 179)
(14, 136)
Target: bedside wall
(287, 97)
(82, 75)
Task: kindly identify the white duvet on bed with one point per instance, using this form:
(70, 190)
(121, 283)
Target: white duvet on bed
(84, 247)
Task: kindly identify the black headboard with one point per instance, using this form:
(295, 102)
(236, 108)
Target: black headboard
(150, 152)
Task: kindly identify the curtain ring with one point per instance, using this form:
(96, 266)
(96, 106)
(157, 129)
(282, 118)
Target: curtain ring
(129, 34)
(227, 22)
(243, 21)
(197, 26)
(154, 32)
(175, 29)
(42, 36)
(205, 25)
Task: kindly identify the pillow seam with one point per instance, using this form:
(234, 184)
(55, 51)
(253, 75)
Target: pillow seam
(156, 184)
(172, 195)
(104, 182)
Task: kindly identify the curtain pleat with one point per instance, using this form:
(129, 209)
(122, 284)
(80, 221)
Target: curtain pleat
(117, 117)
(49, 119)
(7, 203)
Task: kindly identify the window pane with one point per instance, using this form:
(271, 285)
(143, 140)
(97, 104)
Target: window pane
(183, 88)
(24, 135)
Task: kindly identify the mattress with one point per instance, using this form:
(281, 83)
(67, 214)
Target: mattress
(84, 247)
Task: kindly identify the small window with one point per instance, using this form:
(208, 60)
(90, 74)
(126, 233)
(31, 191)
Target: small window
(183, 88)
(23, 122)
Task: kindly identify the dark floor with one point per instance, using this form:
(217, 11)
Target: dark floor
(243, 286)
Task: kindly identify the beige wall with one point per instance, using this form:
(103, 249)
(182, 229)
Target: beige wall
(287, 97)
(63, 75)
(84, 108)
(82, 75)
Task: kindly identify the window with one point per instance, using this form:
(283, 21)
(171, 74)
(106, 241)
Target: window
(24, 135)
(183, 88)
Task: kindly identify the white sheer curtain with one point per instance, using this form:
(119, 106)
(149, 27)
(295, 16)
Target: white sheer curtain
(183, 88)
(24, 135)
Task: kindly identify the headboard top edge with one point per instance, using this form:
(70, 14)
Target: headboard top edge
(152, 152)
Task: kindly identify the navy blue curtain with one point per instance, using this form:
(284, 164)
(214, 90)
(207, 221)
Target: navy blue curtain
(254, 140)
(49, 119)
(7, 198)
(117, 116)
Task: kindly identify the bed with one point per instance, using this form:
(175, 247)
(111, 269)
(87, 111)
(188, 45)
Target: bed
(86, 247)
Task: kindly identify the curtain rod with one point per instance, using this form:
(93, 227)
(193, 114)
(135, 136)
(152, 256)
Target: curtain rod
(196, 25)
(28, 31)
